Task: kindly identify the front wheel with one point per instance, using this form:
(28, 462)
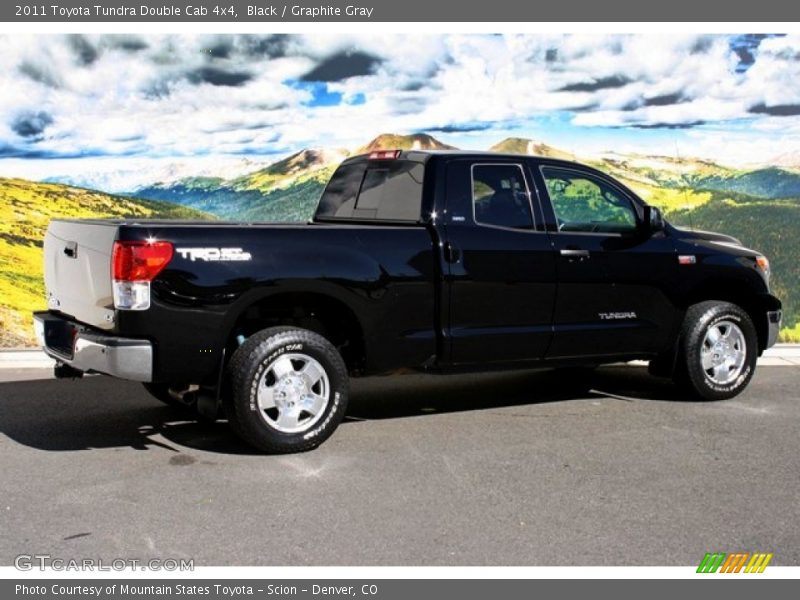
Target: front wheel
(719, 350)
(288, 390)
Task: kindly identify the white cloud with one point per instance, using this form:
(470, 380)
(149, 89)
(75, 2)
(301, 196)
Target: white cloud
(154, 96)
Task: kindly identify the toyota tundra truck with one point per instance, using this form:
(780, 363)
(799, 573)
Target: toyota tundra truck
(431, 261)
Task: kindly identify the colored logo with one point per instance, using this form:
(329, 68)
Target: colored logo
(736, 562)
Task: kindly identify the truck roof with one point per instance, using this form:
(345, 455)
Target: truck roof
(424, 155)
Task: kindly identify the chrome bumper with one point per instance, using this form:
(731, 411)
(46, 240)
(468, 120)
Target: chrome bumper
(94, 352)
(773, 326)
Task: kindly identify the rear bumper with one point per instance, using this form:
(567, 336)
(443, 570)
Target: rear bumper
(773, 326)
(90, 351)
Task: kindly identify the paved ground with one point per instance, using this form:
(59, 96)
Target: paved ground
(486, 469)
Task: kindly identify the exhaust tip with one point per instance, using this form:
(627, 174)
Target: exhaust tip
(62, 371)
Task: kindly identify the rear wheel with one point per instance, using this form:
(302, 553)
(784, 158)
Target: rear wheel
(719, 348)
(288, 390)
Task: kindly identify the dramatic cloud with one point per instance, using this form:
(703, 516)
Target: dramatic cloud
(129, 43)
(343, 65)
(85, 53)
(664, 99)
(39, 73)
(216, 76)
(686, 125)
(31, 125)
(224, 95)
(459, 128)
(604, 83)
(777, 110)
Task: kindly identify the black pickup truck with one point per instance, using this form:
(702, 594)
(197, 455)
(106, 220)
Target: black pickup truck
(436, 261)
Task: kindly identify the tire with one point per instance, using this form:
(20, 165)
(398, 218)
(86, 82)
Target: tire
(288, 390)
(160, 391)
(719, 348)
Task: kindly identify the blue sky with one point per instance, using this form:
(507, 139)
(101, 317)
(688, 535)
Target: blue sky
(77, 103)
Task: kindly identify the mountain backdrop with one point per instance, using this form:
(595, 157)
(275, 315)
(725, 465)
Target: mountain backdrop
(760, 206)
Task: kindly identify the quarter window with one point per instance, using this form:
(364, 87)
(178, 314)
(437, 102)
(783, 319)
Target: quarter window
(500, 196)
(583, 202)
(374, 191)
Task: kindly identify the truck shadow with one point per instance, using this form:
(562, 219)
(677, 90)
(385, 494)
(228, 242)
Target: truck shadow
(99, 412)
(374, 398)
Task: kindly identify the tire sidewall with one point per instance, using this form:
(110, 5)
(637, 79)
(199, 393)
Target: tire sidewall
(251, 423)
(704, 386)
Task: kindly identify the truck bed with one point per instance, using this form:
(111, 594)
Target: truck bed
(386, 273)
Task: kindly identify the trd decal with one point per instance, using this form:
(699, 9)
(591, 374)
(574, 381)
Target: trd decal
(214, 254)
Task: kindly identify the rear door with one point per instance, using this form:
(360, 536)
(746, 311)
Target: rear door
(613, 275)
(501, 277)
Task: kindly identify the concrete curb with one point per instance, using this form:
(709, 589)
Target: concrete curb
(780, 355)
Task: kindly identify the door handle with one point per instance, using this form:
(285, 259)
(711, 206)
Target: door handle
(451, 253)
(578, 253)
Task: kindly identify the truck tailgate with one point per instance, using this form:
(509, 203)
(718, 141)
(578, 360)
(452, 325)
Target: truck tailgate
(77, 270)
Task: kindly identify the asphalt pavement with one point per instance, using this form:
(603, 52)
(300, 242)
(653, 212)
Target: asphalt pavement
(524, 468)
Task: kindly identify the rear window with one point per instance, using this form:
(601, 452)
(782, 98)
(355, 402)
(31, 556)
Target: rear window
(374, 190)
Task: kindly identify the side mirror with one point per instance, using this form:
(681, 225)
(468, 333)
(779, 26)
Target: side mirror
(653, 219)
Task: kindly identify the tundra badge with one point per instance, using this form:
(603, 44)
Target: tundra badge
(606, 316)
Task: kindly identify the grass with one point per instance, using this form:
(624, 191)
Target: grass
(25, 211)
(790, 335)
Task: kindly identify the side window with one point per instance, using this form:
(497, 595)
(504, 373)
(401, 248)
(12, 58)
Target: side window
(500, 196)
(583, 202)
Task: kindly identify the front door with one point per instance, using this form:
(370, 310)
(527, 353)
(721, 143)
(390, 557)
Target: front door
(613, 274)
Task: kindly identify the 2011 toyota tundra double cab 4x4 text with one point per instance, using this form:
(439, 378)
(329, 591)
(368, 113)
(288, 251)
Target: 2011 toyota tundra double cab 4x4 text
(437, 261)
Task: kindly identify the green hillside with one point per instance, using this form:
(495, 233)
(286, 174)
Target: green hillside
(764, 183)
(675, 173)
(25, 210)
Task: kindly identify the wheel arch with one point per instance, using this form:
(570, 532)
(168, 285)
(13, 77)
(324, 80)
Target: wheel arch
(741, 294)
(318, 311)
(754, 303)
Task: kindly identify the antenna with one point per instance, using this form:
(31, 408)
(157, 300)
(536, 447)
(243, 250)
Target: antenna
(685, 198)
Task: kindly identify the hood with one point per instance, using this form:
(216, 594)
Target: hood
(708, 236)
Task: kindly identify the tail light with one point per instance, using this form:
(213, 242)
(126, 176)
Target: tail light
(133, 266)
(384, 154)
